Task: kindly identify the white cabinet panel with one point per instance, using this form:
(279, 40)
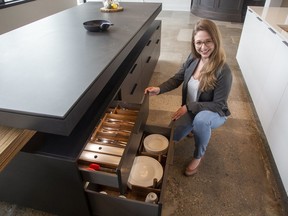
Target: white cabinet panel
(277, 137)
(256, 44)
(245, 50)
(262, 57)
(274, 82)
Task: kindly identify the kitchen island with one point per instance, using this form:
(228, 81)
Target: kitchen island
(58, 79)
(262, 56)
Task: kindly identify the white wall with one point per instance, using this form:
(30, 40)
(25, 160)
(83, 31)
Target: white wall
(23, 14)
(176, 5)
(276, 3)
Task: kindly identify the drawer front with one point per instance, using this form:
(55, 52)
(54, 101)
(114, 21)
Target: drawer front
(101, 205)
(154, 41)
(132, 90)
(134, 201)
(151, 55)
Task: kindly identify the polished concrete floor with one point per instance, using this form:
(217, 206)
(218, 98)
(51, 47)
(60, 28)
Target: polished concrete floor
(237, 176)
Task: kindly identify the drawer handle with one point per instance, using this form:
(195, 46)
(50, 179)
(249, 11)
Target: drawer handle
(272, 30)
(259, 19)
(148, 43)
(132, 70)
(148, 59)
(285, 42)
(157, 42)
(158, 27)
(133, 89)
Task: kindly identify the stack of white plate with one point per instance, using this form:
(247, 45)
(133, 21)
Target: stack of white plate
(144, 170)
(156, 144)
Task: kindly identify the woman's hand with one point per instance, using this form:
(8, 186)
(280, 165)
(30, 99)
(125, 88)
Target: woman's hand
(152, 90)
(180, 112)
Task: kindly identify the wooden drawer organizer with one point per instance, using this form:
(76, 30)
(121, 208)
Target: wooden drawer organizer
(101, 196)
(123, 143)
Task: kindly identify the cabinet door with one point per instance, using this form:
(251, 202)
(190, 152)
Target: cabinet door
(244, 49)
(274, 81)
(256, 47)
(263, 56)
(277, 136)
(231, 6)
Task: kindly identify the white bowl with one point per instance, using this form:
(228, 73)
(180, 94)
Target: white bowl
(156, 144)
(144, 170)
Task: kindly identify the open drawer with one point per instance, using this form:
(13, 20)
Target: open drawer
(135, 199)
(113, 145)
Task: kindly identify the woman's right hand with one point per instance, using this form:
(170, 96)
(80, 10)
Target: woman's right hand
(152, 90)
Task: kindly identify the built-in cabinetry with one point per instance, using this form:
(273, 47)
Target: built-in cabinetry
(262, 56)
(48, 173)
(226, 10)
(140, 74)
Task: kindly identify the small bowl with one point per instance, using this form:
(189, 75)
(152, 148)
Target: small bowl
(97, 25)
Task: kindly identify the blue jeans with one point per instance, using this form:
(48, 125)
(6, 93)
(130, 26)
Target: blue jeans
(201, 126)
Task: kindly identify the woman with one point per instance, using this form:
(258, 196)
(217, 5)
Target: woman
(207, 81)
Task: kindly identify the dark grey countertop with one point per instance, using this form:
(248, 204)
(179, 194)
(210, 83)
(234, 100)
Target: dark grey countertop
(53, 69)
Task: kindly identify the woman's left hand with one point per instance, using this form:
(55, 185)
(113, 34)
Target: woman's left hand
(180, 112)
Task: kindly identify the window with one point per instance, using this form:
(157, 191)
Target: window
(9, 3)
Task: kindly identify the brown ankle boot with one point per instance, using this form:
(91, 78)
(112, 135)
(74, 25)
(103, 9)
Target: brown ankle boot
(193, 171)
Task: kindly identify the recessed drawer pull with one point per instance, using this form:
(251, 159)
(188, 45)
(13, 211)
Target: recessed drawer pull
(272, 30)
(133, 89)
(148, 43)
(132, 70)
(157, 42)
(259, 19)
(148, 59)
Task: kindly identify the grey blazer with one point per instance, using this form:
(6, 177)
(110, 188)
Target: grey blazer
(214, 100)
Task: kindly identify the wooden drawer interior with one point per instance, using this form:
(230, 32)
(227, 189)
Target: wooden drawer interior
(113, 144)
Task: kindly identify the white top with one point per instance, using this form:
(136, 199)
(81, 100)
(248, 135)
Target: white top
(193, 85)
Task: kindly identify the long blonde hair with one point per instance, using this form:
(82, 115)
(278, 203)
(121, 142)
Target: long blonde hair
(217, 58)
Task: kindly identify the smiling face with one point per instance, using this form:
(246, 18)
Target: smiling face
(204, 44)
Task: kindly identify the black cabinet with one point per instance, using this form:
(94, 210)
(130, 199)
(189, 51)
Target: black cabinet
(45, 174)
(225, 10)
(132, 89)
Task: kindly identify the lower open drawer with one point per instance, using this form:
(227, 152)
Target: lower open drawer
(106, 201)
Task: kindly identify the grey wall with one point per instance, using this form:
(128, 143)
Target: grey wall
(19, 15)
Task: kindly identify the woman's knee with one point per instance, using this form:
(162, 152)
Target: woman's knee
(209, 119)
(202, 119)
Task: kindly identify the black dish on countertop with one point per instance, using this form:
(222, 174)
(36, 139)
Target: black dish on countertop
(97, 25)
